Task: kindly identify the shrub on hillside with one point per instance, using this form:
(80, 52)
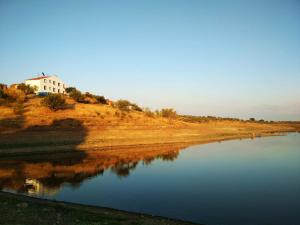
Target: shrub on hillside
(136, 107)
(14, 94)
(168, 113)
(70, 89)
(123, 105)
(3, 94)
(18, 109)
(54, 101)
(100, 99)
(148, 112)
(27, 89)
(77, 96)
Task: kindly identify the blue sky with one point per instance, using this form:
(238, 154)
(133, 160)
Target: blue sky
(215, 57)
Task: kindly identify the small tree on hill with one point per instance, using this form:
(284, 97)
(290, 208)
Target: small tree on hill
(54, 101)
(168, 113)
(76, 95)
(123, 105)
(100, 99)
(70, 89)
(27, 89)
(136, 107)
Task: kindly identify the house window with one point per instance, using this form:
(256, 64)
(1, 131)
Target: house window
(49, 88)
(64, 85)
(58, 84)
(44, 80)
(53, 82)
(53, 89)
(45, 87)
(58, 90)
(49, 81)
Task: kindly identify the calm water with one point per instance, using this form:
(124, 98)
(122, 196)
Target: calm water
(233, 182)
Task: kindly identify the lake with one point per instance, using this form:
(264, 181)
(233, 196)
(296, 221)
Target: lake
(231, 183)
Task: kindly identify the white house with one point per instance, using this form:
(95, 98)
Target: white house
(47, 84)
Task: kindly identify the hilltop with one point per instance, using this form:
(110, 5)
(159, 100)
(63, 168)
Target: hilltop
(86, 126)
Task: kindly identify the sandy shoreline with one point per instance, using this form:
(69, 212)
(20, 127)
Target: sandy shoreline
(32, 146)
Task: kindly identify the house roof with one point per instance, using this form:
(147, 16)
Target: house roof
(39, 78)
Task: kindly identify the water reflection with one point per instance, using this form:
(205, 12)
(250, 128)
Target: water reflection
(45, 174)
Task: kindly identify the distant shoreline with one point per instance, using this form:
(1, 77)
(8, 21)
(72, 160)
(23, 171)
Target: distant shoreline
(42, 149)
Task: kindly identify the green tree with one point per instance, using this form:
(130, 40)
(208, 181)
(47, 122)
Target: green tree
(123, 105)
(27, 89)
(136, 107)
(100, 99)
(54, 101)
(76, 95)
(70, 89)
(168, 113)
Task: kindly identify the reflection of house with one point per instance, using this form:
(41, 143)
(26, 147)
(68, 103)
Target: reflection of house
(47, 84)
(34, 187)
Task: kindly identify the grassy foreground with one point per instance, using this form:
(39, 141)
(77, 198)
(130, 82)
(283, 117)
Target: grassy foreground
(16, 209)
(86, 127)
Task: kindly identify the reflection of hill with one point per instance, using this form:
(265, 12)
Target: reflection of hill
(44, 174)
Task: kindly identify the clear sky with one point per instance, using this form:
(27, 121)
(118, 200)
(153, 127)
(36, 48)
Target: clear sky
(232, 58)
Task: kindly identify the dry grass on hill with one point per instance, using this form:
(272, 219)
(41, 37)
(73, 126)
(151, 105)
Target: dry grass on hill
(96, 126)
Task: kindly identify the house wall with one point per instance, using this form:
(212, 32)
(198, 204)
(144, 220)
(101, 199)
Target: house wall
(50, 84)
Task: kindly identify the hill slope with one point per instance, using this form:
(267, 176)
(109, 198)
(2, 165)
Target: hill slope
(95, 126)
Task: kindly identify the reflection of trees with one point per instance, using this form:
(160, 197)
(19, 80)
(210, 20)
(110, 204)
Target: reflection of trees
(171, 156)
(45, 174)
(123, 169)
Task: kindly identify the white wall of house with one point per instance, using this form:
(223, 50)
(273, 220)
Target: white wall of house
(50, 84)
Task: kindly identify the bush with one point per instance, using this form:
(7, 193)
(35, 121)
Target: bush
(3, 94)
(27, 89)
(77, 96)
(15, 94)
(148, 112)
(168, 113)
(18, 109)
(70, 89)
(136, 107)
(54, 101)
(117, 113)
(123, 105)
(100, 99)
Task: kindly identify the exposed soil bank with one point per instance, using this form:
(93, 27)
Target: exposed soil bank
(18, 209)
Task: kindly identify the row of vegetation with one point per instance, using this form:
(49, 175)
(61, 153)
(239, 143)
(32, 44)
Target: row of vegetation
(203, 119)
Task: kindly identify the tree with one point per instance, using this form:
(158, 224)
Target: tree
(123, 105)
(136, 107)
(3, 94)
(100, 99)
(26, 88)
(76, 95)
(168, 113)
(54, 101)
(70, 89)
